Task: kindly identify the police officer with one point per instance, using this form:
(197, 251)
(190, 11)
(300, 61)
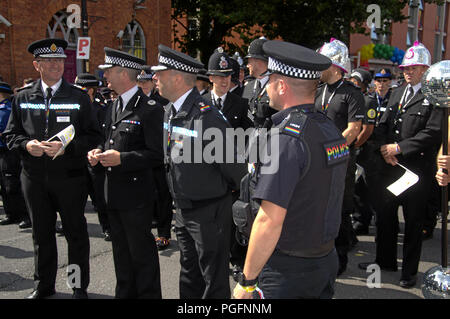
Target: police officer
(412, 135)
(291, 253)
(343, 103)
(255, 91)
(96, 176)
(13, 201)
(232, 106)
(369, 157)
(145, 82)
(200, 183)
(53, 184)
(235, 110)
(132, 149)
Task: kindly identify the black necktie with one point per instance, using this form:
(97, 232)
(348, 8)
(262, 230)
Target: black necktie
(410, 93)
(49, 93)
(120, 107)
(219, 103)
(258, 86)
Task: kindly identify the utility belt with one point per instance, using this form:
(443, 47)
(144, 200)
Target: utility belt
(315, 252)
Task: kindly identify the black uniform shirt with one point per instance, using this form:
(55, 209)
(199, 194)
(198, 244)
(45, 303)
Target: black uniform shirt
(346, 105)
(279, 187)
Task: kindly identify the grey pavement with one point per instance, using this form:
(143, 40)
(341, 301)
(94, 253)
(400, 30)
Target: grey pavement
(17, 265)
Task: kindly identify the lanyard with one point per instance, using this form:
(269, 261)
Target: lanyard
(325, 107)
(400, 105)
(169, 127)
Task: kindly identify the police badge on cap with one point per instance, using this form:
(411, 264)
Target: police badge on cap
(48, 48)
(219, 64)
(294, 60)
(119, 58)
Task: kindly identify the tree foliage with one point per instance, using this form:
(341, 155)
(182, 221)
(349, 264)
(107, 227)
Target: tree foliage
(306, 22)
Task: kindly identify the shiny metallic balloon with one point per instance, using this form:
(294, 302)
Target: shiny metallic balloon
(436, 283)
(436, 84)
(418, 54)
(337, 52)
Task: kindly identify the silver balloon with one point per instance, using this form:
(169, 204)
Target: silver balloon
(436, 283)
(436, 84)
(418, 54)
(337, 52)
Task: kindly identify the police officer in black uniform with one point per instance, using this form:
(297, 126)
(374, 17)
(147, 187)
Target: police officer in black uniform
(132, 149)
(54, 184)
(200, 183)
(367, 188)
(232, 106)
(291, 253)
(411, 129)
(96, 175)
(235, 110)
(12, 196)
(343, 103)
(255, 91)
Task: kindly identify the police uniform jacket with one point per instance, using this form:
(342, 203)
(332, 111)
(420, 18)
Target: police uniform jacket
(416, 127)
(235, 110)
(258, 107)
(309, 182)
(69, 105)
(137, 134)
(193, 179)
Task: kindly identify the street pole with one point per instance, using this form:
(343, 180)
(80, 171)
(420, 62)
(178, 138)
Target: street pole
(84, 26)
(440, 38)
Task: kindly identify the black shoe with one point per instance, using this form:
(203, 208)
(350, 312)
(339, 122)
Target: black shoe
(409, 282)
(79, 294)
(59, 230)
(25, 224)
(107, 235)
(8, 221)
(360, 229)
(37, 294)
(366, 265)
(427, 234)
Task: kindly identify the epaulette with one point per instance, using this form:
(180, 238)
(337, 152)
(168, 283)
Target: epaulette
(204, 107)
(294, 124)
(29, 85)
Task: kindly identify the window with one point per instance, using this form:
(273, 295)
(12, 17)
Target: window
(133, 40)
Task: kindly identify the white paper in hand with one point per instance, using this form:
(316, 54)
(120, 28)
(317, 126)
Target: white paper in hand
(403, 183)
(65, 136)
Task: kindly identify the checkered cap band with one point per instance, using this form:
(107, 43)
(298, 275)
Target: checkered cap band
(122, 62)
(277, 66)
(47, 50)
(171, 63)
(144, 77)
(84, 81)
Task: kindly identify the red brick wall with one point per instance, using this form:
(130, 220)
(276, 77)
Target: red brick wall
(106, 19)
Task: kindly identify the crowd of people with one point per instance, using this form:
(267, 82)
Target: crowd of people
(338, 137)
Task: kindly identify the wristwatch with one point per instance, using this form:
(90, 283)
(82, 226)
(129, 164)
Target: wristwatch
(244, 282)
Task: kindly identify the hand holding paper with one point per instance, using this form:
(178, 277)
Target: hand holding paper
(403, 183)
(56, 145)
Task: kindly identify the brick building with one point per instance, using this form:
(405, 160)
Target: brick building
(134, 26)
(424, 24)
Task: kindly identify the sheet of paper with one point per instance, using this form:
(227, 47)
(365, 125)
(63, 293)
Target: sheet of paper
(403, 183)
(65, 136)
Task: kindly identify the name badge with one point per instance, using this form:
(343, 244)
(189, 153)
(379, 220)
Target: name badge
(63, 119)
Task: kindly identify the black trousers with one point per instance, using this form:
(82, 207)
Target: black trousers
(44, 197)
(237, 251)
(163, 204)
(136, 260)
(288, 277)
(203, 236)
(343, 241)
(414, 204)
(11, 190)
(96, 189)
